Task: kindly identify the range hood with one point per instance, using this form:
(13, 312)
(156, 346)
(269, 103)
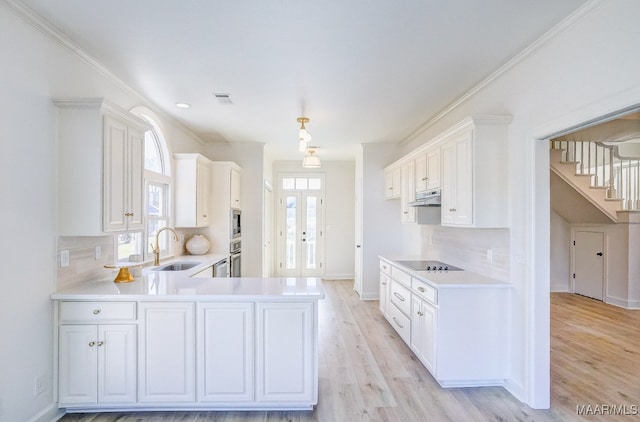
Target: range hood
(427, 205)
(427, 199)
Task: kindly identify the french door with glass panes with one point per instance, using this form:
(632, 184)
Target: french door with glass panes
(300, 229)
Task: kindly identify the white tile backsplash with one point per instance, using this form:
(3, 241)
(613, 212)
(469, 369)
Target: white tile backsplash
(82, 263)
(467, 248)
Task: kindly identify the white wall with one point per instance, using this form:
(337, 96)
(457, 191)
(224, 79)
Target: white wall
(36, 68)
(574, 75)
(383, 232)
(339, 213)
(560, 248)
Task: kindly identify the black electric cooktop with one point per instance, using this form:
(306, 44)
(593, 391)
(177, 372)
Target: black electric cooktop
(429, 266)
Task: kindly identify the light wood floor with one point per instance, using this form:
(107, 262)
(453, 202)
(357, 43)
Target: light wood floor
(368, 374)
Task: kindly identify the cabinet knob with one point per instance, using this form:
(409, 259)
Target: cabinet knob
(100, 343)
(421, 289)
(204, 215)
(425, 178)
(92, 343)
(420, 313)
(96, 311)
(384, 283)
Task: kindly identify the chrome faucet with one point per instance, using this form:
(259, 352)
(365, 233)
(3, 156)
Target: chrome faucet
(156, 250)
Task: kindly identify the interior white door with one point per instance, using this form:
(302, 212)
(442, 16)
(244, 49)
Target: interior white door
(300, 234)
(589, 264)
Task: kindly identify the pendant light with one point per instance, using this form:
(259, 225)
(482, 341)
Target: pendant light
(303, 136)
(311, 161)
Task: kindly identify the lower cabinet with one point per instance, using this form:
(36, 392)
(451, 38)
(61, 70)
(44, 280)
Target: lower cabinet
(97, 364)
(225, 352)
(423, 331)
(187, 355)
(286, 353)
(167, 352)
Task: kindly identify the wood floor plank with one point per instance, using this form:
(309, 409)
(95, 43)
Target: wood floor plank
(367, 373)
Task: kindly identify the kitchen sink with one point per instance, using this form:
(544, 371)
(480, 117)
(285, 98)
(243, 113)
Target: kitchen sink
(178, 266)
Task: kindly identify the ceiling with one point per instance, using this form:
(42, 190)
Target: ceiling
(361, 70)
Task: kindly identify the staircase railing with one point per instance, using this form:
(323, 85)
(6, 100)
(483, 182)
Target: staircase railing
(620, 176)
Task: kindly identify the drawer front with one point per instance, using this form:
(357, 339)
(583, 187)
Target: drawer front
(97, 311)
(401, 276)
(401, 297)
(400, 322)
(385, 267)
(425, 291)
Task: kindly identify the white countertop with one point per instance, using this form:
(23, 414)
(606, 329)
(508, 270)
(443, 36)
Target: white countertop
(439, 279)
(179, 285)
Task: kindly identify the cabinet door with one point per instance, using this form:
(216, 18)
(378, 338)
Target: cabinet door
(421, 176)
(448, 184)
(408, 193)
(286, 353)
(166, 371)
(433, 169)
(135, 184)
(78, 362)
(385, 285)
(225, 352)
(464, 180)
(116, 348)
(423, 325)
(388, 185)
(235, 189)
(203, 187)
(115, 175)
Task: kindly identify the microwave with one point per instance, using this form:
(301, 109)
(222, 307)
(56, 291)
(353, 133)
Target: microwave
(236, 223)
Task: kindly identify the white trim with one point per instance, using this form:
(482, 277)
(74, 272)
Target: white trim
(51, 413)
(564, 25)
(623, 303)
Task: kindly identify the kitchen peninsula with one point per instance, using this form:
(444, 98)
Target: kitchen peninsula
(171, 341)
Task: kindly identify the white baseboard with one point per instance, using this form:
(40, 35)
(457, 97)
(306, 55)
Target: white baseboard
(338, 277)
(559, 288)
(623, 303)
(50, 413)
(370, 296)
(516, 389)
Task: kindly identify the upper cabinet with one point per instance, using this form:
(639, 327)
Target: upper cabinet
(193, 187)
(474, 173)
(468, 163)
(225, 196)
(392, 182)
(234, 197)
(100, 151)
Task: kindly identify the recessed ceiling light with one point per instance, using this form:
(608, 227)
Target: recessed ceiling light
(183, 105)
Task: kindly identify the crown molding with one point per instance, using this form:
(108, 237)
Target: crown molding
(52, 32)
(561, 27)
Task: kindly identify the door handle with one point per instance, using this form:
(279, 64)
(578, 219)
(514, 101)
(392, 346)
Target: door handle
(599, 254)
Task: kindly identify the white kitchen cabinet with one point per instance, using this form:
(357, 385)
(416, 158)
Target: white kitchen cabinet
(225, 352)
(423, 331)
(458, 331)
(97, 362)
(226, 190)
(193, 190)
(457, 181)
(385, 287)
(100, 154)
(286, 353)
(474, 173)
(392, 183)
(408, 192)
(421, 172)
(433, 169)
(167, 352)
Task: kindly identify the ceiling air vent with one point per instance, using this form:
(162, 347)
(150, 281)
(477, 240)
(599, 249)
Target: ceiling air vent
(223, 98)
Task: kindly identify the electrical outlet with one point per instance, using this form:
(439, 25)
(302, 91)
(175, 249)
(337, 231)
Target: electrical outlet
(98, 253)
(39, 385)
(64, 258)
(490, 255)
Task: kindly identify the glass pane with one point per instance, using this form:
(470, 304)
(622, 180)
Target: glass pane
(290, 251)
(156, 200)
(288, 183)
(311, 232)
(129, 244)
(301, 183)
(315, 183)
(152, 227)
(152, 155)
